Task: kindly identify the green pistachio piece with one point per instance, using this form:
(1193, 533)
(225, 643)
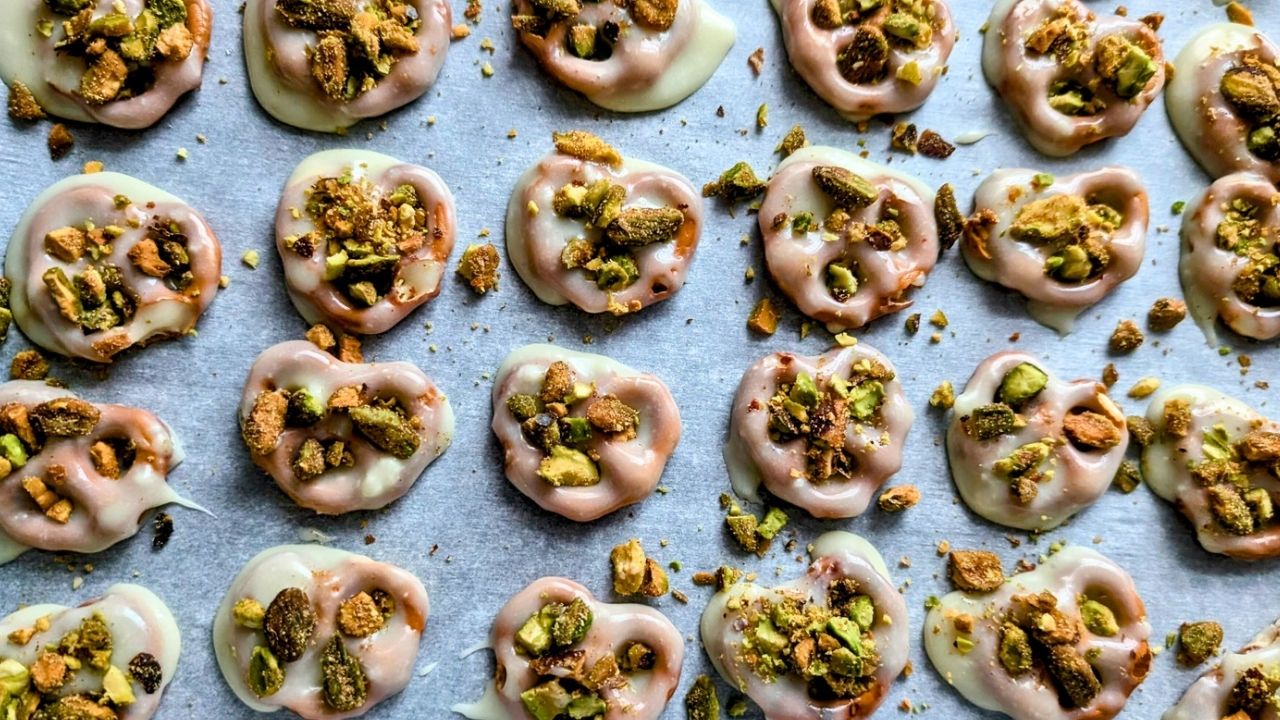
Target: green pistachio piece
(637, 227)
(737, 183)
(317, 14)
(841, 278)
(168, 12)
(1070, 264)
(248, 613)
(862, 611)
(13, 451)
(572, 624)
(848, 189)
(68, 7)
(112, 25)
(701, 702)
(345, 687)
(1124, 64)
(390, 431)
(1021, 384)
(14, 678)
(304, 409)
(804, 391)
(575, 430)
(63, 294)
(803, 223)
(603, 202)
(546, 701)
(909, 28)
(363, 292)
(582, 40)
(1050, 219)
(265, 676)
(1265, 143)
(1251, 91)
(768, 638)
(117, 688)
(587, 706)
(743, 529)
(566, 467)
(991, 421)
(1015, 650)
(335, 265)
(617, 273)
(847, 632)
(1023, 460)
(535, 635)
(140, 45)
(1098, 618)
(522, 406)
(405, 194)
(865, 398)
(772, 523)
(570, 200)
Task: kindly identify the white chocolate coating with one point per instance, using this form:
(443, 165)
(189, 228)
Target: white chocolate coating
(1167, 461)
(161, 312)
(276, 56)
(813, 51)
(139, 622)
(1020, 266)
(105, 510)
(797, 262)
(377, 478)
(535, 240)
(417, 275)
(328, 577)
(613, 626)
(754, 458)
(1208, 271)
(648, 69)
(1208, 696)
(1122, 663)
(1206, 123)
(629, 469)
(1023, 78)
(54, 77)
(835, 555)
(1080, 476)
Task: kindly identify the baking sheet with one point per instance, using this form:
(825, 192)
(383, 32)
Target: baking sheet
(463, 529)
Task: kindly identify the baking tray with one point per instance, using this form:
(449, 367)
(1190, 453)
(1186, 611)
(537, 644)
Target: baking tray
(463, 529)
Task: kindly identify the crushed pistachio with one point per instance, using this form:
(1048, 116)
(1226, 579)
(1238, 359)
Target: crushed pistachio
(899, 498)
(737, 183)
(636, 574)
(344, 683)
(975, 570)
(792, 141)
(479, 267)
(1198, 641)
(701, 702)
(288, 624)
(763, 318)
(1127, 337)
(22, 104)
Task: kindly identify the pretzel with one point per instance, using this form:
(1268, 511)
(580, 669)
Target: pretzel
(351, 469)
(848, 582)
(1215, 458)
(1064, 247)
(886, 241)
(105, 508)
(970, 636)
(595, 468)
(1109, 82)
(1213, 128)
(905, 60)
(794, 459)
(141, 302)
(144, 646)
(310, 246)
(540, 240)
(1214, 694)
(629, 56)
(326, 582)
(1229, 237)
(1028, 450)
(278, 56)
(53, 75)
(626, 660)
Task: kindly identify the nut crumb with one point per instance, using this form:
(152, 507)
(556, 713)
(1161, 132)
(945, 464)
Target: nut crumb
(1126, 337)
(899, 498)
(60, 141)
(756, 61)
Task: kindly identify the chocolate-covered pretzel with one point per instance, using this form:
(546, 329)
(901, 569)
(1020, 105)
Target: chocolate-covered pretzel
(325, 66)
(822, 432)
(1237, 687)
(561, 652)
(825, 646)
(109, 657)
(630, 55)
(583, 434)
(321, 632)
(844, 238)
(1066, 641)
(339, 436)
(77, 476)
(1064, 243)
(1230, 264)
(364, 238)
(872, 58)
(100, 263)
(1218, 461)
(1071, 77)
(606, 233)
(1222, 100)
(122, 64)
(1028, 450)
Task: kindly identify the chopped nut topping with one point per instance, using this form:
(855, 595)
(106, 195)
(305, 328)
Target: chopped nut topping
(737, 183)
(1091, 430)
(265, 424)
(586, 146)
(65, 417)
(359, 616)
(949, 218)
(105, 461)
(611, 415)
(654, 14)
(322, 337)
(975, 570)
(22, 104)
(479, 266)
(289, 624)
(1198, 641)
(49, 672)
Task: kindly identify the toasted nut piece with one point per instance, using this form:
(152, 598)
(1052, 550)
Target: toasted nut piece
(763, 318)
(65, 417)
(289, 624)
(359, 616)
(22, 104)
(866, 57)
(1077, 683)
(655, 579)
(309, 462)
(29, 365)
(1260, 446)
(628, 562)
(104, 459)
(637, 227)
(1177, 418)
(611, 415)
(145, 669)
(701, 702)
(897, 499)
(1198, 641)
(387, 429)
(654, 14)
(317, 14)
(249, 613)
(329, 66)
(1091, 430)
(586, 146)
(350, 349)
(322, 337)
(175, 42)
(558, 382)
(145, 256)
(345, 687)
(104, 79)
(265, 676)
(345, 398)
(848, 189)
(1166, 313)
(66, 243)
(1015, 650)
(1126, 337)
(479, 266)
(948, 216)
(737, 183)
(263, 427)
(975, 570)
(48, 672)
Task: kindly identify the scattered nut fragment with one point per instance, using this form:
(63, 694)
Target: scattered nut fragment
(634, 573)
(322, 337)
(975, 570)
(763, 318)
(756, 60)
(350, 349)
(1144, 387)
(1110, 375)
(1140, 430)
(1165, 314)
(701, 702)
(1238, 13)
(29, 365)
(1091, 430)
(932, 145)
(792, 141)
(479, 266)
(1198, 641)
(60, 141)
(899, 498)
(586, 146)
(1126, 337)
(944, 396)
(739, 182)
(1128, 477)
